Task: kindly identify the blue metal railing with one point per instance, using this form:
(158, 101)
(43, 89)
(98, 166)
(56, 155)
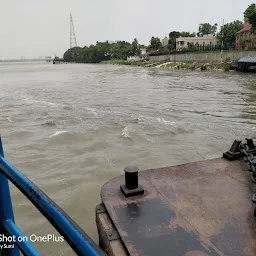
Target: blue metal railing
(78, 240)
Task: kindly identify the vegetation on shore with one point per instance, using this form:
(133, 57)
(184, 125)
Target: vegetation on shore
(167, 65)
(103, 51)
(250, 16)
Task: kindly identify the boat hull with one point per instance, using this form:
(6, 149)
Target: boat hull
(202, 208)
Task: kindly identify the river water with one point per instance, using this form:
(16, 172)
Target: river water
(71, 128)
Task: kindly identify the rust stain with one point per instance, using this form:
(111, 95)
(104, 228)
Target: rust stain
(179, 221)
(123, 233)
(250, 248)
(199, 216)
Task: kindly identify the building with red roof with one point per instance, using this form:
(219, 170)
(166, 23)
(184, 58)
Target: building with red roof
(245, 33)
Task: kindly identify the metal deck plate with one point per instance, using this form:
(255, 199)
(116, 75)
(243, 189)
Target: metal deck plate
(196, 209)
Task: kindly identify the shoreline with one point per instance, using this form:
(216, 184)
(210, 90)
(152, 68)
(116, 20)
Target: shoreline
(167, 65)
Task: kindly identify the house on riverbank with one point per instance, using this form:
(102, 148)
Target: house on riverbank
(245, 39)
(185, 42)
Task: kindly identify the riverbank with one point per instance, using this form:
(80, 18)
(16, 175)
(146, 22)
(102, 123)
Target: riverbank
(167, 65)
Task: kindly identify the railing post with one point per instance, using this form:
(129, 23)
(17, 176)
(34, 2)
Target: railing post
(6, 211)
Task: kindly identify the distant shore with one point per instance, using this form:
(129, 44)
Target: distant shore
(167, 65)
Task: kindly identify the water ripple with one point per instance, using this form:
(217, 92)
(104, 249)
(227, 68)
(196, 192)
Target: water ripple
(72, 127)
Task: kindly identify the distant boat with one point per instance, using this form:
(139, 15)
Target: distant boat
(57, 60)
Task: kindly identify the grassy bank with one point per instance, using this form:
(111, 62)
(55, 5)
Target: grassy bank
(173, 65)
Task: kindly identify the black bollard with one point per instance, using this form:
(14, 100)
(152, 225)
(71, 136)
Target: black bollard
(131, 186)
(131, 177)
(234, 152)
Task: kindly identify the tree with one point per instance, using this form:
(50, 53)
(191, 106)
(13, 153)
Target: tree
(172, 39)
(243, 41)
(250, 16)
(155, 43)
(206, 29)
(175, 34)
(135, 47)
(73, 54)
(103, 48)
(228, 33)
(99, 52)
(121, 50)
(187, 34)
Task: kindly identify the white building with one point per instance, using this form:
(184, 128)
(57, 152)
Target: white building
(143, 55)
(183, 42)
(143, 51)
(165, 41)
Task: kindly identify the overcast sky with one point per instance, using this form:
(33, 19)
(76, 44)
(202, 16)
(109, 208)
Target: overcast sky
(33, 28)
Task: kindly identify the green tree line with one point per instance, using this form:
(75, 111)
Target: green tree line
(102, 51)
(227, 34)
(122, 49)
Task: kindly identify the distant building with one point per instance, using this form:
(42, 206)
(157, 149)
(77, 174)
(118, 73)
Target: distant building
(143, 52)
(165, 41)
(143, 55)
(245, 33)
(184, 42)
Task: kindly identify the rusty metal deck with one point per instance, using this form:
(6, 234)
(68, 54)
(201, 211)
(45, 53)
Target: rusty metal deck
(195, 209)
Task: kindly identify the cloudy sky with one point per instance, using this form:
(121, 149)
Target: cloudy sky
(33, 28)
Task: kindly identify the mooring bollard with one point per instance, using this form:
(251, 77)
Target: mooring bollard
(131, 186)
(131, 177)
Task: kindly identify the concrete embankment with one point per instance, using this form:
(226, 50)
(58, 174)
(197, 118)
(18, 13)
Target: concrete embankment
(210, 61)
(214, 57)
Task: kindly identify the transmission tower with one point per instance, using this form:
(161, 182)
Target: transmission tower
(72, 33)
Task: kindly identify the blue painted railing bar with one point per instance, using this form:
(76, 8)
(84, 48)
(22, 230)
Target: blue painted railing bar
(25, 246)
(6, 211)
(78, 240)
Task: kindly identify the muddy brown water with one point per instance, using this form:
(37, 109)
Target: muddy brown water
(70, 128)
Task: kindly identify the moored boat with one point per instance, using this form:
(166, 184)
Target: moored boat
(246, 64)
(195, 209)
